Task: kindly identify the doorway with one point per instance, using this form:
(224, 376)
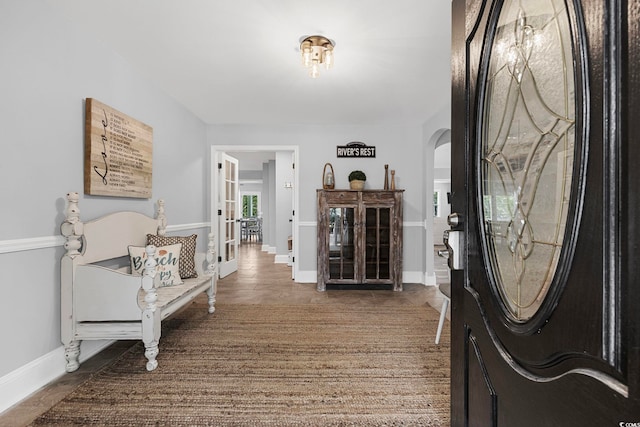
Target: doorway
(279, 230)
(437, 179)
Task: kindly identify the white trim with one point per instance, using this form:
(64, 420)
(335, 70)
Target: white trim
(430, 280)
(195, 225)
(271, 250)
(404, 224)
(413, 277)
(34, 243)
(29, 244)
(281, 259)
(307, 276)
(213, 196)
(311, 276)
(413, 224)
(26, 380)
(265, 248)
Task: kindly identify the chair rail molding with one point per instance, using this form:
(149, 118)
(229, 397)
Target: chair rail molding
(29, 244)
(35, 243)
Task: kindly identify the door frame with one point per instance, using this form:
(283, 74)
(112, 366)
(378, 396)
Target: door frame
(215, 149)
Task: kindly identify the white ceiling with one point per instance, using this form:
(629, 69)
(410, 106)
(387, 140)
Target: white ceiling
(238, 61)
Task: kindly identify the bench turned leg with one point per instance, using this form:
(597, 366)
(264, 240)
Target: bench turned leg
(150, 314)
(211, 294)
(212, 270)
(151, 336)
(72, 354)
(151, 352)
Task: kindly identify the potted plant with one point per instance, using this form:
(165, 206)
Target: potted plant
(356, 180)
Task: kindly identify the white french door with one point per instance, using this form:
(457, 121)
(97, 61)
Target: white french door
(228, 214)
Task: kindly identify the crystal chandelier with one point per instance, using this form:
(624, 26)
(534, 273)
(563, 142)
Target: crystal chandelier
(316, 50)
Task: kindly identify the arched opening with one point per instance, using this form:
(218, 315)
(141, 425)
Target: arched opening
(437, 178)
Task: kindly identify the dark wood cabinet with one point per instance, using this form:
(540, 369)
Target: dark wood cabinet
(360, 238)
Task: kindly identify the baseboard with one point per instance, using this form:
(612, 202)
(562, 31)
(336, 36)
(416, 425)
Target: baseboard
(265, 248)
(430, 279)
(309, 276)
(413, 277)
(26, 380)
(281, 259)
(271, 250)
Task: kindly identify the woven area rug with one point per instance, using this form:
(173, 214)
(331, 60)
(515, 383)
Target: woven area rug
(275, 365)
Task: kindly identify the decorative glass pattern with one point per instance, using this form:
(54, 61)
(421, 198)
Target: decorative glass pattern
(527, 150)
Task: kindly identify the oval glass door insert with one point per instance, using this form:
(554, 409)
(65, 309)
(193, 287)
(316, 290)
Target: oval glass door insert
(527, 151)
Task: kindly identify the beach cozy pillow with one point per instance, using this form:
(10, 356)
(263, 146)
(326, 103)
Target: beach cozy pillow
(167, 259)
(187, 254)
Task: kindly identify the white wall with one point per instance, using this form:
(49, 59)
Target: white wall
(47, 70)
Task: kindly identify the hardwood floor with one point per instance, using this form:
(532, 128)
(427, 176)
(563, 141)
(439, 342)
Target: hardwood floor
(257, 281)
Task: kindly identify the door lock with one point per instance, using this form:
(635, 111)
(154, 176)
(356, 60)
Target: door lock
(454, 220)
(454, 242)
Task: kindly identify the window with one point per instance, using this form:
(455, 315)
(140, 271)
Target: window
(250, 205)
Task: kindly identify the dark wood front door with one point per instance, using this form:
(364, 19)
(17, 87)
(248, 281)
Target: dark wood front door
(546, 177)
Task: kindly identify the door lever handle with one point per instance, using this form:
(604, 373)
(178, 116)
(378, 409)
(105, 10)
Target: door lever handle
(454, 241)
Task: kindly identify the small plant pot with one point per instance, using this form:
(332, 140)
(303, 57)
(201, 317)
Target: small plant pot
(356, 184)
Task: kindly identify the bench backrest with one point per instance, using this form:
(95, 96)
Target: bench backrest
(110, 236)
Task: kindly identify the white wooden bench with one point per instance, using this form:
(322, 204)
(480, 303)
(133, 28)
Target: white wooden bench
(99, 302)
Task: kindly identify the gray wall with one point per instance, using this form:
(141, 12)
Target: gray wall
(47, 70)
(396, 145)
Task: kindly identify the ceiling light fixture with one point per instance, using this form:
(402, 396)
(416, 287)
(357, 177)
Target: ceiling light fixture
(316, 50)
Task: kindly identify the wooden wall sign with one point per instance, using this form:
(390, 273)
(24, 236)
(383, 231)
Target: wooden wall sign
(117, 153)
(356, 149)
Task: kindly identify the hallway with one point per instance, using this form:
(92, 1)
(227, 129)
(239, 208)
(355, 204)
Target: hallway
(260, 281)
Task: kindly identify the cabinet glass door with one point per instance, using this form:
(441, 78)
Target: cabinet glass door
(378, 243)
(341, 243)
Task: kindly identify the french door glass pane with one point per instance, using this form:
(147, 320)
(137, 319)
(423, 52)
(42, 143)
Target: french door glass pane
(341, 243)
(378, 243)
